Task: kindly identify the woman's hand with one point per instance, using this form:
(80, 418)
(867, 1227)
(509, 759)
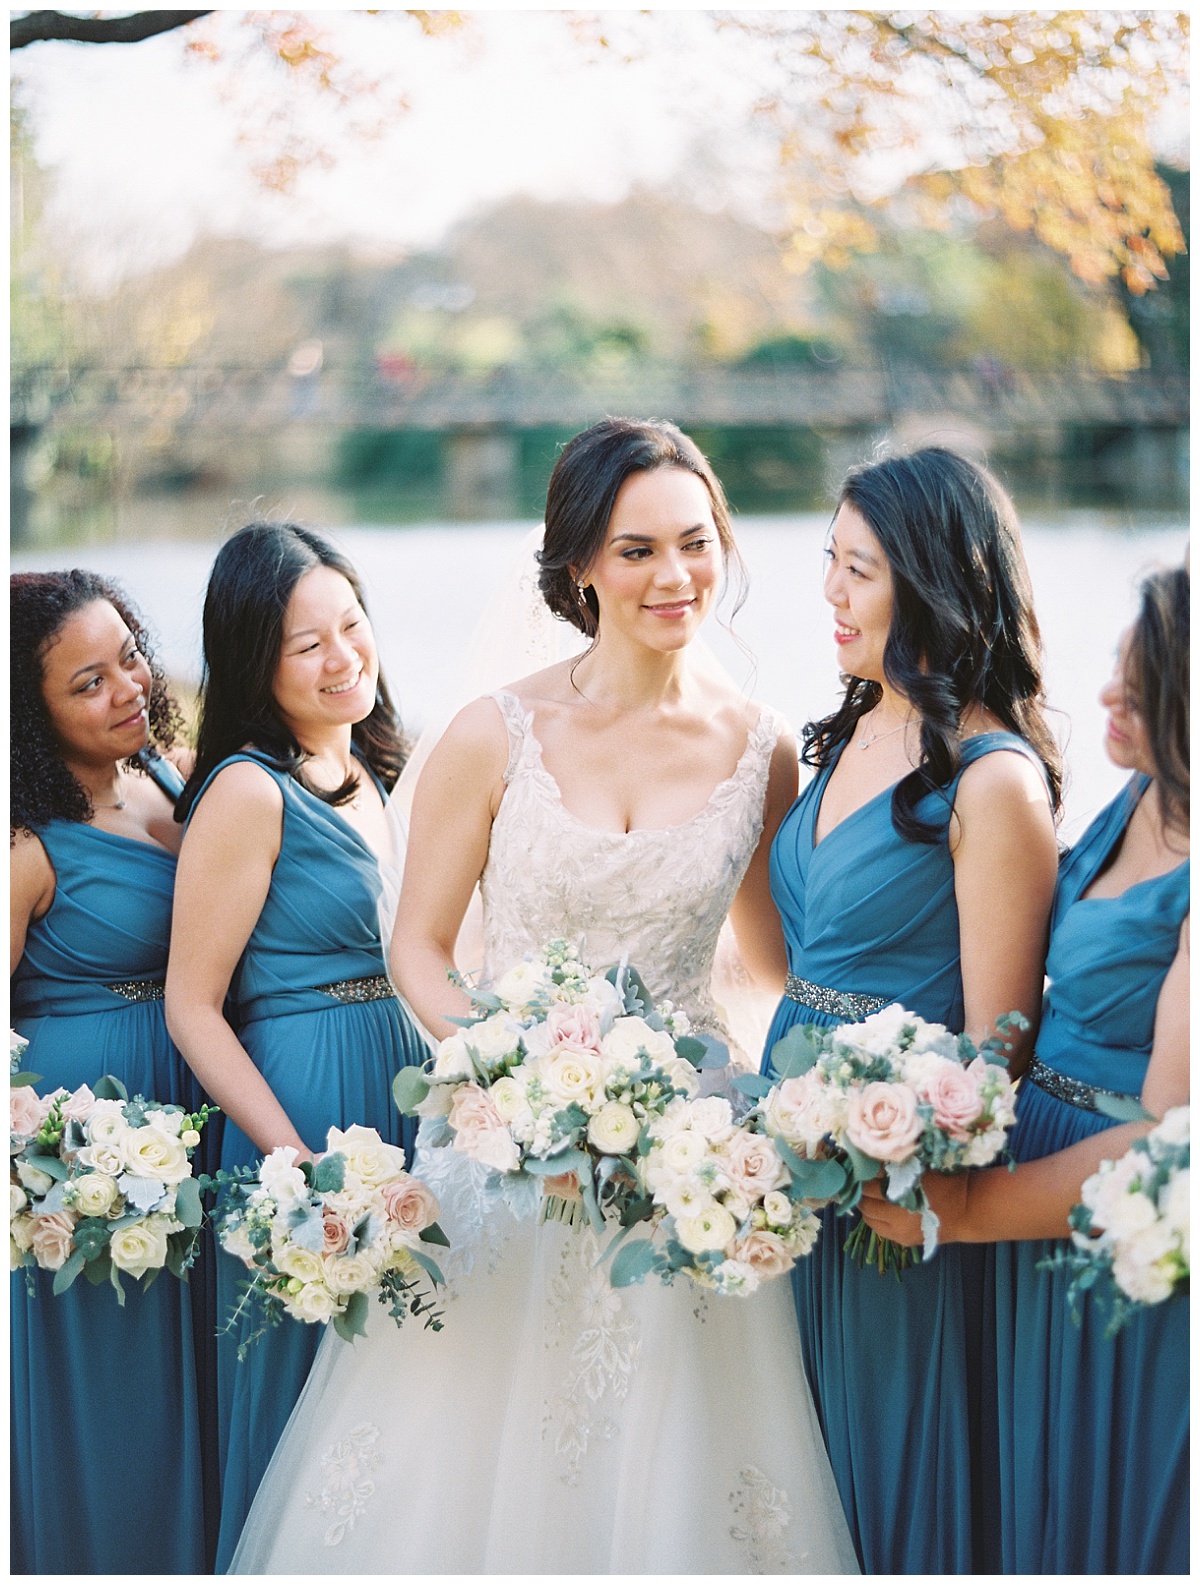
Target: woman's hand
(946, 1193)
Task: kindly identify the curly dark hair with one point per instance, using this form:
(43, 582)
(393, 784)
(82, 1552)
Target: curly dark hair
(42, 788)
(251, 583)
(963, 628)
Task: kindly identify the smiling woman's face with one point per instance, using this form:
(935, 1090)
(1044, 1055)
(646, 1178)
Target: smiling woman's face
(328, 664)
(96, 686)
(858, 585)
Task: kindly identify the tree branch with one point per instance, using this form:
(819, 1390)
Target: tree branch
(39, 26)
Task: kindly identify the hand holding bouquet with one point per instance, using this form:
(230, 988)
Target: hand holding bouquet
(318, 1238)
(893, 1095)
(101, 1184)
(1132, 1229)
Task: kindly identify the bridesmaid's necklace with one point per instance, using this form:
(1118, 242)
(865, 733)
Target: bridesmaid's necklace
(878, 736)
(120, 803)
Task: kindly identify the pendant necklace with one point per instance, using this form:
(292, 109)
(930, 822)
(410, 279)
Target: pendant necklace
(868, 741)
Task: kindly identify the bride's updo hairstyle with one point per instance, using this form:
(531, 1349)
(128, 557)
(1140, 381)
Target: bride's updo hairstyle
(580, 498)
(251, 583)
(1156, 675)
(963, 628)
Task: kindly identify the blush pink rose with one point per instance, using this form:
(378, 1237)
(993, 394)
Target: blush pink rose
(573, 1026)
(410, 1204)
(79, 1103)
(765, 1253)
(953, 1092)
(479, 1130)
(26, 1111)
(336, 1231)
(883, 1122)
(51, 1241)
(752, 1164)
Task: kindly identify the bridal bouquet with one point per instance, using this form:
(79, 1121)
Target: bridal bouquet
(1131, 1232)
(728, 1208)
(892, 1094)
(101, 1184)
(560, 1072)
(319, 1238)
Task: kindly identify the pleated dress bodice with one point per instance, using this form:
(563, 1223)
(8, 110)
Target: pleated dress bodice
(1078, 1491)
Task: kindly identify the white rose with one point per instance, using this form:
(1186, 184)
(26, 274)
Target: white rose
(496, 1038)
(453, 1060)
(148, 1153)
(879, 1034)
(778, 1209)
(106, 1123)
(296, 1262)
(737, 1205)
(712, 1116)
(571, 1074)
(350, 1273)
(138, 1247)
(108, 1159)
(371, 1159)
(1175, 1128)
(166, 1122)
(93, 1193)
(709, 1229)
(602, 999)
(684, 1152)
(614, 1129)
(630, 1036)
(682, 1075)
(21, 1231)
(17, 1199)
(34, 1179)
(510, 1100)
(687, 1198)
(281, 1179)
(523, 985)
(675, 1118)
(235, 1240)
(314, 1302)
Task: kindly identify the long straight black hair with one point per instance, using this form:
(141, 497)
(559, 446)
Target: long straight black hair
(1157, 665)
(252, 580)
(963, 629)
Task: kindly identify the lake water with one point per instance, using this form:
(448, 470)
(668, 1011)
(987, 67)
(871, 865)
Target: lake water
(427, 586)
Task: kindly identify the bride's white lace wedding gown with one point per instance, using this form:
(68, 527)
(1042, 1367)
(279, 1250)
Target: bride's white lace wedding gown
(558, 1425)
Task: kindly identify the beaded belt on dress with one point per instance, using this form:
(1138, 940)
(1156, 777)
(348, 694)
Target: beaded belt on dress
(375, 988)
(847, 1005)
(1073, 1091)
(138, 990)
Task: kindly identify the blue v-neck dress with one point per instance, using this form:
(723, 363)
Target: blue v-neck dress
(107, 1468)
(330, 1062)
(897, 1369)
(1093, 1430)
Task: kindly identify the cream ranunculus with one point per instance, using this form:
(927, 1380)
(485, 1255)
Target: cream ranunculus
(631, 1036)
(138, 1247)
(350, 1273)
(149, 1153)
(614, 1129)
(109, 1159)
(371, 1159)
(572, 1074)
(710, 1229)
(685, 1151)
(302, 1263)
(682, 1075)
(523, 985)
(94, 1193)
(778, 1209)
(314, 1302)
(106, 1123)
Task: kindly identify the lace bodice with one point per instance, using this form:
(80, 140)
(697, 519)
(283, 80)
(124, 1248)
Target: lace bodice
(658, 897)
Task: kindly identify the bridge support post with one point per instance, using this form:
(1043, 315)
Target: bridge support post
(481, 473)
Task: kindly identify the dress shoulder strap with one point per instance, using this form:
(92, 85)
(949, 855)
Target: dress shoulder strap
(997, 742)
(255, 758)
(518, 723)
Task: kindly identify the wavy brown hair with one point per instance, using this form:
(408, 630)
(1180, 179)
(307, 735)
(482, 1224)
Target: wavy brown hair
(42, 788)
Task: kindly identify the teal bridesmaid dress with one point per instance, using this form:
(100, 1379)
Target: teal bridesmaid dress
(108, 1466)
(897, 1369)
(314, 1010)
(1093, 1431)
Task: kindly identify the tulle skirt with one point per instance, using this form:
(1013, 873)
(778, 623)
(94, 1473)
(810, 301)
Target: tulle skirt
(555, 1425)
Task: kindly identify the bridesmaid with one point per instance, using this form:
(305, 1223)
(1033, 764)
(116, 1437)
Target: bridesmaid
(917, 867)
(1094, 1431)
(102, 1395)
(277, 907)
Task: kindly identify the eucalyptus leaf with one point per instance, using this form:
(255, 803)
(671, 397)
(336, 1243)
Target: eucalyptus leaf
(18, 1081)
(99, 1270)
(633, 1262)
(753, 1084)
(409, 1089)
(188, 1207)
(795, 1053)
(434, 1235)
(52, 1166)
(352, 1321)
(66, 1273)
(713, 1053)
(815, 1180)
(568, 1160)
(863, 1168)
(109, 1088)
(429, 1265)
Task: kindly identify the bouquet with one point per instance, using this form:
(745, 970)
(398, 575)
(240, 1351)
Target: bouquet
(892, 1094)
(319, 1238)
(730, 1211)
(101, 1184)
(560, 1072)
(1131, 1231)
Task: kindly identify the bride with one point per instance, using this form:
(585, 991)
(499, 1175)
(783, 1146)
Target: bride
(625, 800)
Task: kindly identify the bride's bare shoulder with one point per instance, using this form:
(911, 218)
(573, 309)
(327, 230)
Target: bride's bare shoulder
(549, 686)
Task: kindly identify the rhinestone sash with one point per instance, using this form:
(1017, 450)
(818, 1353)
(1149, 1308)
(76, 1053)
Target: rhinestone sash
(850, 1006)
(138, 990)
(375, 988)
(1073, 1091)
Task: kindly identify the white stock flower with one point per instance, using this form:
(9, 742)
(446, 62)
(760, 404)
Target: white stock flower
(235, 1240)
(138, 1247)
(1174, 1203)
(880, 1033)
(614, 1129)
(371, 1159)
(93, 1193)
(281, 1179)
(735, 1278)
(707, 1230)
(983, 1148)
(602, 999)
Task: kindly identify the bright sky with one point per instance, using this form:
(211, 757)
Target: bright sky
(144, 149)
